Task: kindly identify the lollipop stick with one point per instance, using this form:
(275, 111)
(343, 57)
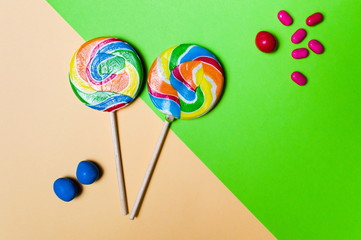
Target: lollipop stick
(118, 163)
(149, 172)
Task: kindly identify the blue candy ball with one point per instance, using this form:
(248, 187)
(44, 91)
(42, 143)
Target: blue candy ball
(65, 188)
(87, 172)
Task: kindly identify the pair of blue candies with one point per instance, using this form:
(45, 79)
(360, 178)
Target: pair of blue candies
(67, 189)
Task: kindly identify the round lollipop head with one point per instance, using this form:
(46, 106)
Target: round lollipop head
(185, 81)
(106, 74)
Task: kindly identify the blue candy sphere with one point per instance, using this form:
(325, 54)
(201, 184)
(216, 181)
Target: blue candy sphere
(65, 188)
(87, 172)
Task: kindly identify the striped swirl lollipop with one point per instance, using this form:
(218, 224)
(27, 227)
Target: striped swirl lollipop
(184, 82)
(106, 74)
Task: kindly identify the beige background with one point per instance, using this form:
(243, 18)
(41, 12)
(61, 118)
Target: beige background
(45, 131)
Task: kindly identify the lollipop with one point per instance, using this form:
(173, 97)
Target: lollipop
(106, 74)
(184, 82)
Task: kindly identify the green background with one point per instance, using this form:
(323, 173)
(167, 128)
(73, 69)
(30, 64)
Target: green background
(289, 153)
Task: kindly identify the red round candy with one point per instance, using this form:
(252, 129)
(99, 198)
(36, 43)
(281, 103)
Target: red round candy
(266, 42)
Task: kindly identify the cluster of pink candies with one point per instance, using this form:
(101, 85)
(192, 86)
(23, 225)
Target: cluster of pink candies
(315, 46)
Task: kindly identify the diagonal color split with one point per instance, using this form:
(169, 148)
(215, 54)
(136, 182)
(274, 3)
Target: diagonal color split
(46, 132)
(291, 155)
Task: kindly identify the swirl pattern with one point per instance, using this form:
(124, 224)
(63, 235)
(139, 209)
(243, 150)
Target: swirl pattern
(106, 74)
(185, 81)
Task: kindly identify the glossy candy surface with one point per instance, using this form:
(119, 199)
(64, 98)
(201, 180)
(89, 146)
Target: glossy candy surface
(300, 53)
(285, 18)
(65, 188)
(87, 172)
(298, 36)
(106, 74)
(299, 78)
(314, 19)
(185, 81)
(266, 42)
(316, 46)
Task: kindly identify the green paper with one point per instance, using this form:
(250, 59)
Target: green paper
(291, 154)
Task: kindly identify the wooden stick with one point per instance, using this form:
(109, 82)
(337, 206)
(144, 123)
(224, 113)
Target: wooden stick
(118, 163)
(149, 172)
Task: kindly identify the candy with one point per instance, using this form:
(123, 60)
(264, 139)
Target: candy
(299, 78)
(316, 46)
(300, 53)
(185, 81)
(285, 18)
(266, 42)
(314, 19)
(299, 35)
(65, 188)
(87, 172)
(105, 74)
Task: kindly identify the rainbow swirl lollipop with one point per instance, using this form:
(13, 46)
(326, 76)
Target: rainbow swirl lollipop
(106, 74)
(184, 82)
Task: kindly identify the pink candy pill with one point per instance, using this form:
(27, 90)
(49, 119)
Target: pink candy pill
(300, 53)
(314, 19)
(299, 35)
(285, 18)
(299, 78)
(316, 46)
